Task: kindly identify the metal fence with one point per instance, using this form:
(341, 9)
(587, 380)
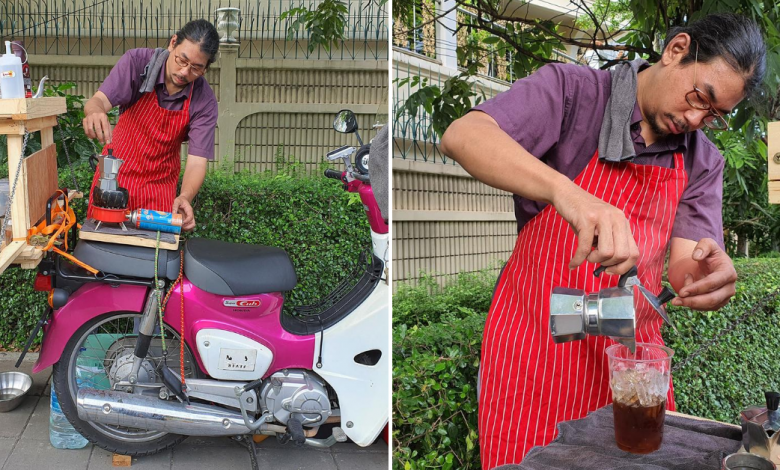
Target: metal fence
(110, 27)
(415, 139)
(417, 31)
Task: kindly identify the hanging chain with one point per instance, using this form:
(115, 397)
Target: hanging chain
(6, 217)
(67, 155)
(725, 331)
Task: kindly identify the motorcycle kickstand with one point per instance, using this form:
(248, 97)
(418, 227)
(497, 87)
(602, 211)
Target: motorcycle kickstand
(249, 443)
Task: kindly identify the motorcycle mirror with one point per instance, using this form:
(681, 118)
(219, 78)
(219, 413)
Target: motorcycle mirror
(345, 122)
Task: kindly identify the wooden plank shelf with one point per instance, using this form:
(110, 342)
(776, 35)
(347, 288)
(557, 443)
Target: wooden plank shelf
(110, 233)
(27, 109)
(37, 180)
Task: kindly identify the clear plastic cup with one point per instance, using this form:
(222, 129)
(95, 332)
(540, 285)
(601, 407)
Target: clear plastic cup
(639, 383)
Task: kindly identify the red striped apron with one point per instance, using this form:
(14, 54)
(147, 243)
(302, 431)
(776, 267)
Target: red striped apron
(148, 138)
(528, 383)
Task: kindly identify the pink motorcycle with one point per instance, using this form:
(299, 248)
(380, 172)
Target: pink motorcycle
(137, 371)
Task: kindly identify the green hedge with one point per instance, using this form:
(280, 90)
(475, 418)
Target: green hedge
(435, 362)
(311, 218)
(734, 372)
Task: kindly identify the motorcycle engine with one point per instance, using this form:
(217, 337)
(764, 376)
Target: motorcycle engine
(296, 391)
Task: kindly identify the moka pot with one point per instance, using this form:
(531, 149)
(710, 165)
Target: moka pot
(760, 426)
(574, 314)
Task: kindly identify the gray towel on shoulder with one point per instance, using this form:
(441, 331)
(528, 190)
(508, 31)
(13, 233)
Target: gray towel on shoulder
(615, 143)
(152, 69)
(379, 169)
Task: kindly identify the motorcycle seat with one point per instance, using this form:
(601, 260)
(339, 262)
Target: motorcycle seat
(225, 268)
(127, 260)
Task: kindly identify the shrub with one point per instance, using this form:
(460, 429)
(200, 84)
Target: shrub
(429, 303)
(435, 364)
(311, 218)
(434, 394)
(735, 372)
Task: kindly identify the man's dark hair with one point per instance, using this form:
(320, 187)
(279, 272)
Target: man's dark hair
(204, 34)
(734, 38)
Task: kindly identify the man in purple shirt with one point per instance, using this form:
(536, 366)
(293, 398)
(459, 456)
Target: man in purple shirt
(550, 141)
(164, 100)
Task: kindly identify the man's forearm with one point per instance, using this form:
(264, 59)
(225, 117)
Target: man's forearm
(194, 174)
(99, 103)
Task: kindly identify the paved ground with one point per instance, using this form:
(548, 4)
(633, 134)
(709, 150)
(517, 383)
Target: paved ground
(24, 444)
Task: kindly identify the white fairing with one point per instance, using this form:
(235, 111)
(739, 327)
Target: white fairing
(381, 246)
(230, 356)
(362, 390)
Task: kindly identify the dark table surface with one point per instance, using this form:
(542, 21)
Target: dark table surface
(589, 443)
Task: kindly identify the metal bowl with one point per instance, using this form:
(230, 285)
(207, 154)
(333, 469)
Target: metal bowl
(742, 461)
(13, 388)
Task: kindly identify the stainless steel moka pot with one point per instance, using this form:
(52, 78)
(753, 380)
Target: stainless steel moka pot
(761, 428)
(109, 167)
(608, 312)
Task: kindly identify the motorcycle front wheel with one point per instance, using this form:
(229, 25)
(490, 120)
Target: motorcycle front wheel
(95, 356)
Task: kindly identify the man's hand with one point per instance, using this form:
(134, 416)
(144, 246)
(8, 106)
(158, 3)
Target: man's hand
(708, 277)
(96, 126)
(602, 230)
(182, 206)
(95, 122)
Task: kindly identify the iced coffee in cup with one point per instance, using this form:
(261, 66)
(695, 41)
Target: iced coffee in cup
(639, 382)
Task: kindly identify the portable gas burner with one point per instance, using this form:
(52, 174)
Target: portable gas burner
(109, 201)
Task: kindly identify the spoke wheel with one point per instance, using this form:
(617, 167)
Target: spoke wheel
(97, 356)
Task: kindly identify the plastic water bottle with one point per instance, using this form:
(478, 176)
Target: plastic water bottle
(61, 433)
(11, 79)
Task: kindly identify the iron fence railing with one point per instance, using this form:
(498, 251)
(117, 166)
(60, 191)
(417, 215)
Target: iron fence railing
(110, 27)
(415, 138)
(416, 31)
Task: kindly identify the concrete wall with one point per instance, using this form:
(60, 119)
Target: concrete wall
(444, 221)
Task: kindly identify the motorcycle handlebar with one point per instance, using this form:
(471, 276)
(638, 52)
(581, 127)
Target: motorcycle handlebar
(363, 178)
(336, 175)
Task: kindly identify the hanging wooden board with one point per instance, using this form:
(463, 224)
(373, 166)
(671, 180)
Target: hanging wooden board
(40, 172)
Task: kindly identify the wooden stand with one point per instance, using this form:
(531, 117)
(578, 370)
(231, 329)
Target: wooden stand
(38, 177)
(121, 460)
(773, 166)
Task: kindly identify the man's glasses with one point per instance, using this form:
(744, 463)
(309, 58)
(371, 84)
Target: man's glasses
(698, 100)
(196, 69)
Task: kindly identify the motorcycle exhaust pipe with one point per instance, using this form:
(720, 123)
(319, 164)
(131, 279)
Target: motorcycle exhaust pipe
(148, 412)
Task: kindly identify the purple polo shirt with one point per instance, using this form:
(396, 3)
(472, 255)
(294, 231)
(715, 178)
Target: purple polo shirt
(122, 89)
(556, 115)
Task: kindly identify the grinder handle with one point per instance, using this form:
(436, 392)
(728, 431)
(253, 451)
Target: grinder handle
(772, 400)
(665, 296)
(623, 277)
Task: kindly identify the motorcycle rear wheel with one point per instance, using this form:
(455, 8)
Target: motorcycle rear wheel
(97, 338)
